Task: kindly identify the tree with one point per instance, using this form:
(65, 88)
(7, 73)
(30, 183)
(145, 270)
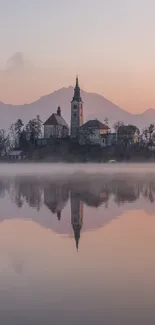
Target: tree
(3, 142)
(145, 134)
(106, 121)
(33, 129)
(38, 127)
(16, 129)
(151, 130)
(127, 134)
(23, 141)
(118, 125)
(149, 134)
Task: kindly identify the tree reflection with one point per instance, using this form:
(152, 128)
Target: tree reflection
(28, 191)
(55, 195)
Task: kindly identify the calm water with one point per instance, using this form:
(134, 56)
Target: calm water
(77, 244)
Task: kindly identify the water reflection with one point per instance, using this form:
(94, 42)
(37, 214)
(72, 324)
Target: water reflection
(55, 197)
(110, 280)
(79, 193)
(93, 193)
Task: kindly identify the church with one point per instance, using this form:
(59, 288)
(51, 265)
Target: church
(77, 119)
(92, 132)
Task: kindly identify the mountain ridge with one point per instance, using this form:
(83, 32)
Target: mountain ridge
(95, 106)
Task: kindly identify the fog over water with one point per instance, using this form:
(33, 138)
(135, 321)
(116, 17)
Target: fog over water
(60, 169)
(77, 244)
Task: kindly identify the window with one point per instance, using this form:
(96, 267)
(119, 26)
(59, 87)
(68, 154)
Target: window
(74, 115)
(75, 107)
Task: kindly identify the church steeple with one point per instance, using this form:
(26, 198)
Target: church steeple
(77, 96)
(76, 111)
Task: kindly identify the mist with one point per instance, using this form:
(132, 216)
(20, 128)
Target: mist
(60, 170)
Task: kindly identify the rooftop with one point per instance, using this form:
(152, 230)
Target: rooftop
(56, 119)
(96, 124)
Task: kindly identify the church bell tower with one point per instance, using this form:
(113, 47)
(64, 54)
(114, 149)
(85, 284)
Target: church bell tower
(76, 111)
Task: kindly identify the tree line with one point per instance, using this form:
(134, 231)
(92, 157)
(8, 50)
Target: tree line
(127, 133)
(20, 136)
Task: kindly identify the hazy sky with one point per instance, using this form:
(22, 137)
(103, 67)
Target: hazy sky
(109, 43)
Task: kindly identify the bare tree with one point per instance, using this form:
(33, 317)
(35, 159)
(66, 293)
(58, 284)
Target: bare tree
(106, 121)
(118, 125)
(16, 129)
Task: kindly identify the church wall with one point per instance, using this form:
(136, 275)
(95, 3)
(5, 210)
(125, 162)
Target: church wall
(55, 131)
(92, 136)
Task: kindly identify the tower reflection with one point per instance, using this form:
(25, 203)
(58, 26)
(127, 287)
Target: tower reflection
(76, 216)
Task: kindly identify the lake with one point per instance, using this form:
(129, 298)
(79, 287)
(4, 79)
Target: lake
(77, 244)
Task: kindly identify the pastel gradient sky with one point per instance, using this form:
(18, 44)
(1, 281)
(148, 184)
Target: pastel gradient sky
(109, 44)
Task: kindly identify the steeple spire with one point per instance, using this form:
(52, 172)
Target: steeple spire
(77, 230)
(77, 81)
(77, 96)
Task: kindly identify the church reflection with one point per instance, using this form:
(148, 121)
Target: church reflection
(55, 198)
(76, 216)
(96, 193)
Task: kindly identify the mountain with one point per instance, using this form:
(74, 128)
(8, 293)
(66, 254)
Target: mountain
(95, 106)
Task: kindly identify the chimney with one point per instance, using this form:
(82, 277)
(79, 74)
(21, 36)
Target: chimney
(59, 111)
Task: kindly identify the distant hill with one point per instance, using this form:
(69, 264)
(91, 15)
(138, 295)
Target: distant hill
(95, 106)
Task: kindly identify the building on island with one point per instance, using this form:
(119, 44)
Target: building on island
(94, 132)
(56, 126)
(76, 111)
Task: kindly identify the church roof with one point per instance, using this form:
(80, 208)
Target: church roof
(95, 124)
(55, 206)
(56, 119)
(77, 95)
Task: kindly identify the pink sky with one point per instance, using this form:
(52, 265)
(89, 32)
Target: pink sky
(26, 83)
(109, 44)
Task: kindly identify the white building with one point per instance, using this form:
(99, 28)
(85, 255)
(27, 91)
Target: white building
(94, 132)
(56, 126)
